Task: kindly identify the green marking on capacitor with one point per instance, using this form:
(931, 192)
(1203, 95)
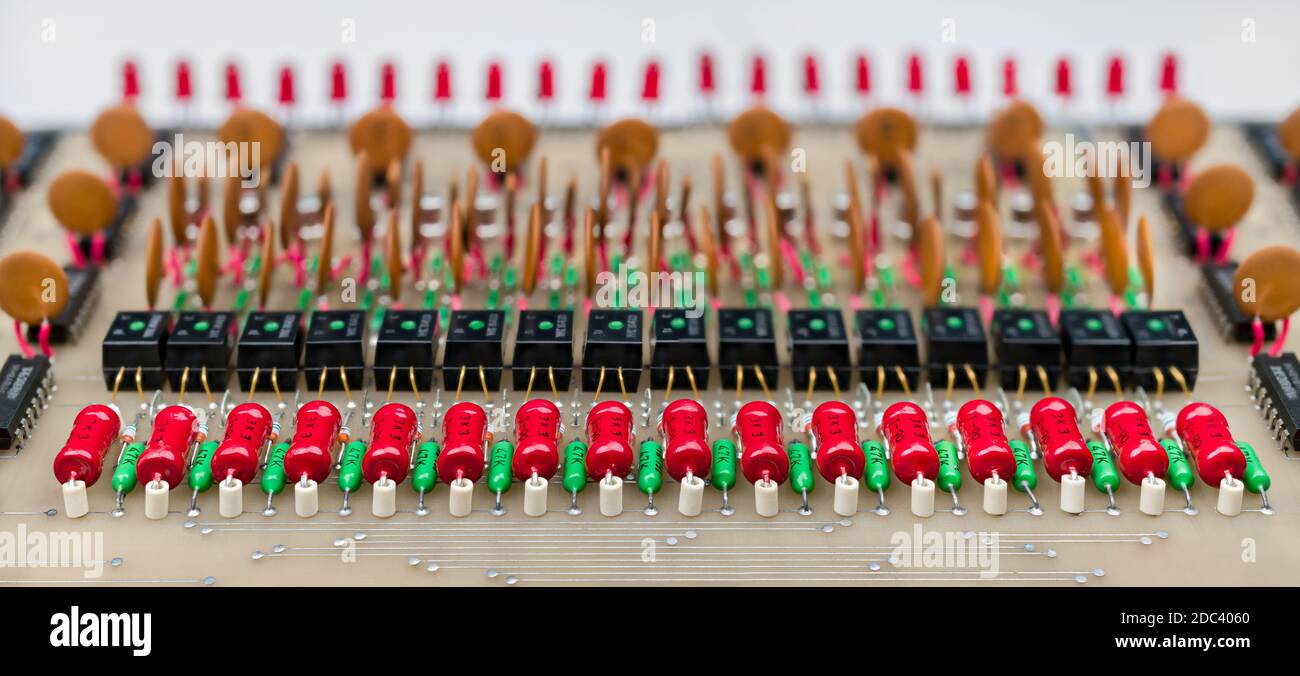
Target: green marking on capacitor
(1180, 473)
(1105, 478)
(424, 472)
(949, 477)
(273, 476)
(498, 471)
(200, 477)
(124, 479)
(723, 473)
(876, 474)
(650, 472)
(801, 472)
(350, 472)
(1255, 478)
(1026, 477)
(575, 472)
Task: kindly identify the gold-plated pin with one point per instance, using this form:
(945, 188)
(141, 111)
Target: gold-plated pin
(835, 381)
(1092, 383)
(690, 375)
(668, 391)
(252, 386)
(410, 370)
(902, 380)
(952, 382)
(343, 375)
(1042, 378)
(880, 381)
(1020, 387)
(528, 392)
(275, 384)
(812, 382)
(482, 379)
(320, 387)
(1114, 381)
(185, 380)
(203, 378)
(970, 375)
(622, 386)
(740, 380)
(1181, 380)
(460, 382)
(555, 390)
(762, 382)
(1160, 382)
(600, 384)
(392, 380)
(117, 382)
(139, 382)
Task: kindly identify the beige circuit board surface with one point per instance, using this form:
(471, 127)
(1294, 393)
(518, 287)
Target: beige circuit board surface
(819, 549)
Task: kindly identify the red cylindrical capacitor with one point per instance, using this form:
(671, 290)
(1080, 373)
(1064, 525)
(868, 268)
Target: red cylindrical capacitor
(906, 431)
(537, 440)
(1056, 430)
(316, 431)
(392, 433)
(1135, 446)
(685, 426)
(762, 448)
(988, 451)
(82, 456)
(1204, 430)
(164, 456)
(464, 436)
(609, 440)
(248, 426)
(835, 430)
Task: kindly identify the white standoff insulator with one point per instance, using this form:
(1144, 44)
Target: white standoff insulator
(767, 500)
(75, 502)
(922, 497)
(995, 496)
(155, 499)
(1098, 422)
(1072, 493)
(383, 501)
(536, 490)
(690, 498)
(461, 497)
(230, 497)
(1231, 491)
(1152, 499)
(846, 495)
(611, 496)
(306, 499)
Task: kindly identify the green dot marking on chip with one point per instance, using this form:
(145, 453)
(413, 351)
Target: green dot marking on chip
(271, 326)
(136, 325)
(886, 324)
(1155, 324)
(546, 325)
(202, 326)
(408, 325)
(1092, 324)
(476, 324)
(337, 325)
(1025, 324)
(817, 324)
(954, 322)
(745, 323)
(678, 323)
(616, 325)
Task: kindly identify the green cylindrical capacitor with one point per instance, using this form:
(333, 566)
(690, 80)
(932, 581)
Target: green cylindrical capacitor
(350, 465)
(650, 467)
(1255, 478)
(949, 478)
(723, 473)
(1026, 477)
(876, 476)
(425, 474)
(1104, 474)
(200, 476)
(801, 473)
(273, 475)
(498, 471)
(575, 466)
(1180, 473)
(124, 473)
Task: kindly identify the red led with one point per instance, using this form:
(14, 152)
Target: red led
(464, 438)
(392, 433)
(1009, 88)
(82, 456)
(184, 88)
(961, 76)
(835, 431)
(685, 428)
(758, 76)
(1115, 77)
(169, 444)
(597, 92)
(811, 81)
(988, 452)
(286, 86)
(707, 83)
(248, 426)
(609, 439)
(338, 83)
(1056, 431)
(493, 92)
(442, 82)
(906, 432)
(130, 81)
(545, 82)
(316, 431)
(1135, 446)
(537, 440)
(762, 448)
(388, 83)
(233, 92)
(862, 75)
(1063, 88)
(915, 82)
(650, 86)
(1204, 430)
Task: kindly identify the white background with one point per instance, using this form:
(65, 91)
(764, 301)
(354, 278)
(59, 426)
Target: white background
(64, 82)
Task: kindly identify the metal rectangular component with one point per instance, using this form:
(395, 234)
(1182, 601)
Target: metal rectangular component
(24, 389)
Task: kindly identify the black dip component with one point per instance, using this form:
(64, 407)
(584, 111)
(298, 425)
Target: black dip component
(136, 343)
(1275, 383)
(613, 345)
(336, 344)
(474, 340)
(408, 340)
(677, 341)
(1026, 338)
(819, 344)
(24, 389)
(543, 348)
(1093, 340)
(1161, 339)
(202, 343)
(887, 343)
(746, 340)
(954, 336)
(270, 346)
